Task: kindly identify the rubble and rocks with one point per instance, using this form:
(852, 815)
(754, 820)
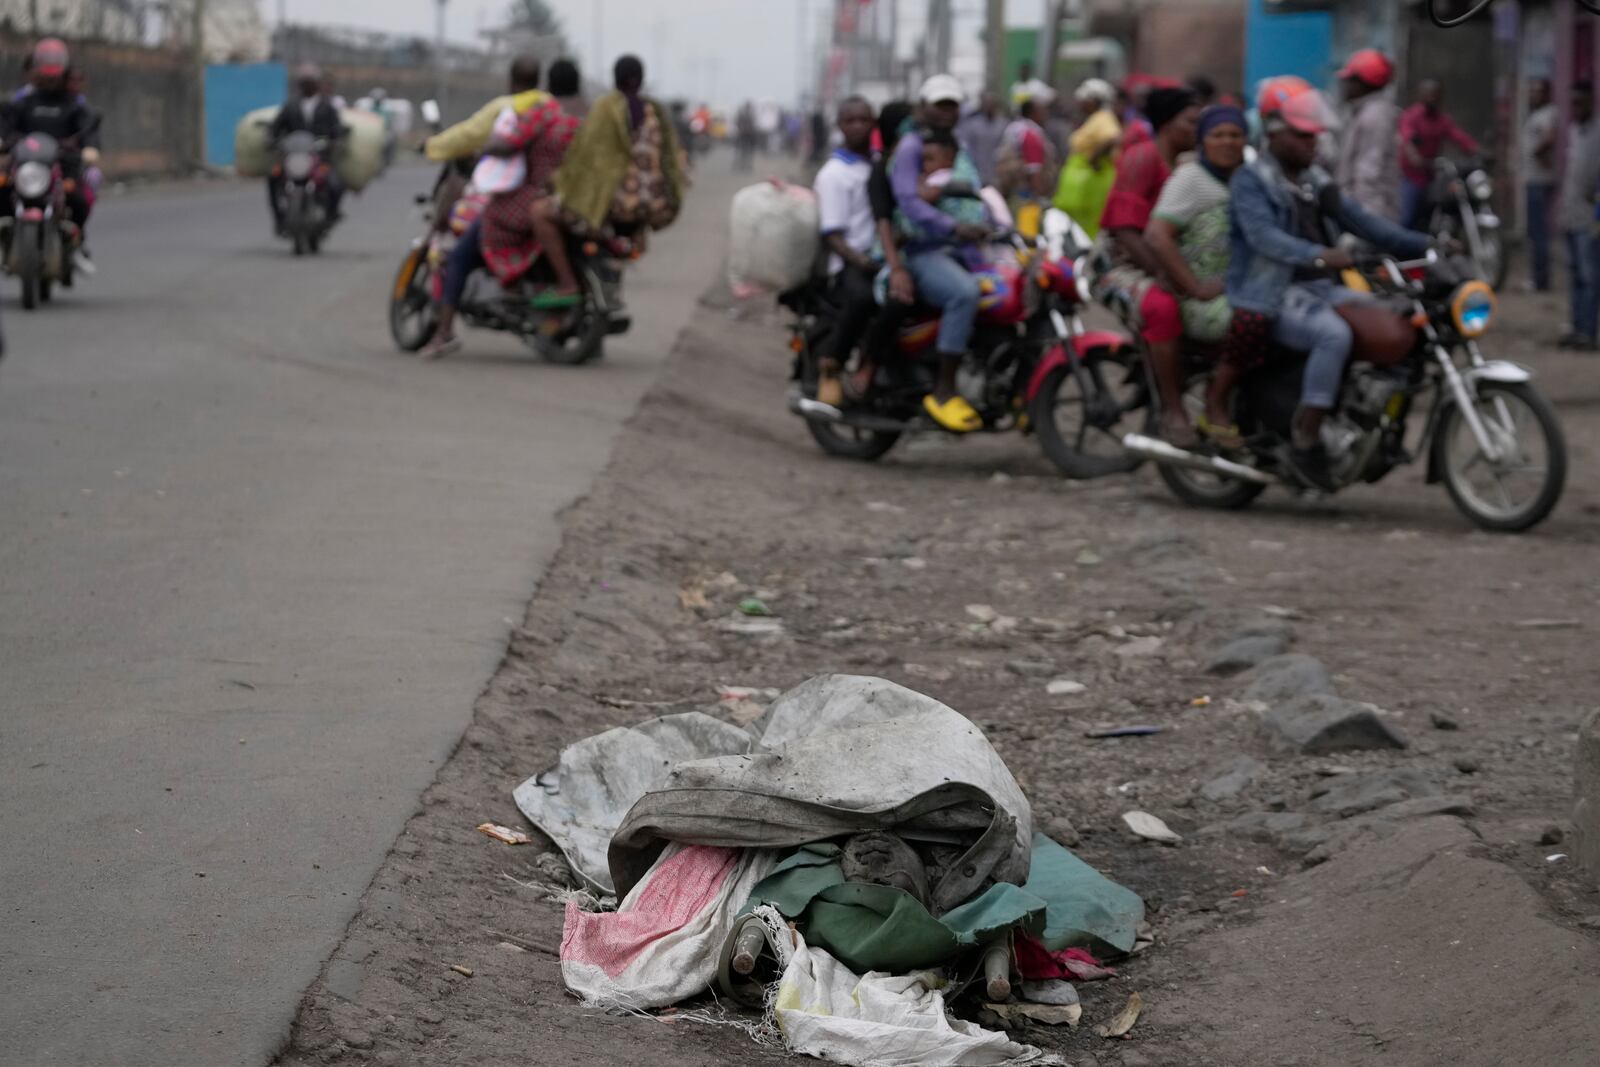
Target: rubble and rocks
(1241, 773)
(1586, 811)
(1286, 677)
(1320, 723)
(1245, 652)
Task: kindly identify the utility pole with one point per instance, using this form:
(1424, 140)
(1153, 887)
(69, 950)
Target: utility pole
(197, 35)
(995, 40)
(439, 87)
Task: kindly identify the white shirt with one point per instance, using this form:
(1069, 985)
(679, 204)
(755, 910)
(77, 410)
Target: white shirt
(843, 203)
(1535, 131)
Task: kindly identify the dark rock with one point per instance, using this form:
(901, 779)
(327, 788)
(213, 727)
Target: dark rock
(356, 1038)
(1591, 923)
(1366, 792)
(1441, 721)
(1031, 669)
(1235, 780)
(1553, 835)
(431, 1016)
(1060, 829)
(1242, 653)
(1423, 807)
(1264, 826)
(1286, 677)
(1320, 723)
(1467, 765)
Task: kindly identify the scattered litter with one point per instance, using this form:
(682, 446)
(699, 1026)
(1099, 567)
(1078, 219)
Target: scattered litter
(505, 834)
(1548, 624)
(1200, 702)
(1065, 687)
(1555, 857)
(751, 627)
(1239, 893)
(914, 563)
(506, 946)
(1088, 558)
(1038, 965)
(883, 507)
(755, 606)
(1279, 612)
(982, 612)
(693, 598)
(1124, 1020)
(1124, 731)
(1266, 871)
(1051, 991)
(1147, 826)
(1045, 1014)
(465, 972)
(932, 674)
(1268, 546)
(725, 580)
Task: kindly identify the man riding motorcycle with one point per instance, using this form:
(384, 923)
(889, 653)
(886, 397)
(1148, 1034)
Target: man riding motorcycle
(48, 106)
(312, 111)
(1287, 215)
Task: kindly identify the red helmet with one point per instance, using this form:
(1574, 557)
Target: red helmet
(1370, 67)
(1292, 101)
(50, 57)
(1275, 92)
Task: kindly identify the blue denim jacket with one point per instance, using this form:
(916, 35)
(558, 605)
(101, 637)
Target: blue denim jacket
(1266, 246)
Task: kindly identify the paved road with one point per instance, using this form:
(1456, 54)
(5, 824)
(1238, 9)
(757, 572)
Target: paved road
(255, 567)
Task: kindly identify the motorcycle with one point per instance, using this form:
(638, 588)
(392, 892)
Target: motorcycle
(1032, 365)
(1488, 434)
(569, 335)
(302, 192)
(38, 238)
(1461, 212)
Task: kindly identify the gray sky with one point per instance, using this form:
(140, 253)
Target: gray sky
(726, 49)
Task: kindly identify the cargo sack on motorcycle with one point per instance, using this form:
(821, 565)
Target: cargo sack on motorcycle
(359, 158)
(253, 156)
(775, 238)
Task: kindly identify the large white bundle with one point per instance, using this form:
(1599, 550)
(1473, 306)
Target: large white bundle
(774, 239)
(358, 160)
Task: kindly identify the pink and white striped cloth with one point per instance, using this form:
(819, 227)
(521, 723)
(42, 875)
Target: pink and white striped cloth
(662, 944)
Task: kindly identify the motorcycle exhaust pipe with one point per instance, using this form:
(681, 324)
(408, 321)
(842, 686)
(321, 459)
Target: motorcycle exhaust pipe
(1162, 452)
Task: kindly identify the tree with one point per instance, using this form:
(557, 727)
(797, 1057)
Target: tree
(534, 15)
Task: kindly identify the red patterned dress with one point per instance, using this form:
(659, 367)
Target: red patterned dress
(543, 132)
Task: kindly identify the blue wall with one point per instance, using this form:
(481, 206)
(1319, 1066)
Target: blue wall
(1300, 43)
(233, 90)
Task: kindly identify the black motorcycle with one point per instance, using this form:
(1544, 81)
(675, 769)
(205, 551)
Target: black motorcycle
(1487, 432)
(38, 237)
(567, 335)
(302, 191)
(1461, 212)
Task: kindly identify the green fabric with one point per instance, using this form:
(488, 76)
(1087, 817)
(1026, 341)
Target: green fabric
(602, 151)
(881, 928)
(1085, 909)
(1083, 191)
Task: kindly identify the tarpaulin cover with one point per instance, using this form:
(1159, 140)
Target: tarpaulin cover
(840, 755)
(837, 755)
(1084, 908)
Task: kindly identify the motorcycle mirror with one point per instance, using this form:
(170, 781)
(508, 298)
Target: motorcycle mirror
(430, 112)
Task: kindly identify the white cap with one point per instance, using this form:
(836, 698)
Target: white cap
(942, 87)
(1034, 89)
(1096, 89)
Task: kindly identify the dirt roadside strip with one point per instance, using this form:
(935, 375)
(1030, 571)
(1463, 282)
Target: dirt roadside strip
(1390, 905)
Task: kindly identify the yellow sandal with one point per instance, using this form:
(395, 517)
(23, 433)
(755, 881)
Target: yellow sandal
(955, 414)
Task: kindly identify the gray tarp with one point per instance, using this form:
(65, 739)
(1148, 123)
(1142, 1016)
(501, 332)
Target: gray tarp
(837, 755)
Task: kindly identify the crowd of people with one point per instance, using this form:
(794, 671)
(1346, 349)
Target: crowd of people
(1213, 221)
(538, 166)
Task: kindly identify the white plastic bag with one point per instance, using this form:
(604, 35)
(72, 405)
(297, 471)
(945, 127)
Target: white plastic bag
(775, 237)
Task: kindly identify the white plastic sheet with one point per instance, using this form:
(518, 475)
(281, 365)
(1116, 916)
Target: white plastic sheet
(775, 237)
(823, 1009)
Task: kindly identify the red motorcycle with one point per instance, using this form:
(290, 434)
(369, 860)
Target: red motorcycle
(1032, 366)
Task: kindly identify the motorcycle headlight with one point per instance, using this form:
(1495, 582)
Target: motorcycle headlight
(1480, 185)
(298, 166)
(1472, 308)
(33, 180)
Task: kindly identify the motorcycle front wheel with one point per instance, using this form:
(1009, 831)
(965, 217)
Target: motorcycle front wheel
(412, 317)
(1519, 490)
(1081, 420)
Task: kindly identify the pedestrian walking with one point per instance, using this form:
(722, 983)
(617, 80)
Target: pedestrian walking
(1539, 176)
(1578, 222)
(981, 132)
(1369, 158)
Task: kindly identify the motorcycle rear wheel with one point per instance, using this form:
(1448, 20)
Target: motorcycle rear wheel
(1201, 489)
(1521, 416)
(412, 318)
(836, 438)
